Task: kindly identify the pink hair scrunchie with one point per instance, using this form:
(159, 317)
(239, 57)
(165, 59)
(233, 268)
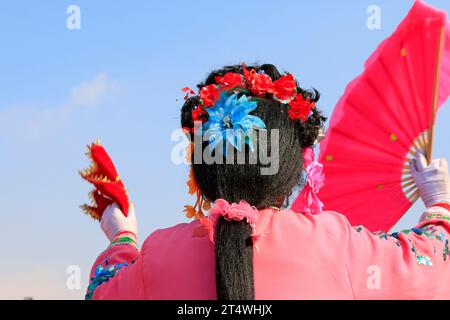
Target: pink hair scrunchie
(234, 212)
(231, 212)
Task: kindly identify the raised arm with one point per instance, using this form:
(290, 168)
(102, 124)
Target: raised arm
(411, 264)
(117, 272)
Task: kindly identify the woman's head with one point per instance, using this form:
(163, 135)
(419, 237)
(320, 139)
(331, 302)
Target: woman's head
(235, 182)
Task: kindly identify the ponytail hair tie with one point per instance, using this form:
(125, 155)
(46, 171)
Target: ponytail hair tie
(234, 212)
(230, 212)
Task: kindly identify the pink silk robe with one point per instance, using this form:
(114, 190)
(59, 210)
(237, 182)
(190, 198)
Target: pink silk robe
(297, 256)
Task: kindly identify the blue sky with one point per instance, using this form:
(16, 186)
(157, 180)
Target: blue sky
(118, 78)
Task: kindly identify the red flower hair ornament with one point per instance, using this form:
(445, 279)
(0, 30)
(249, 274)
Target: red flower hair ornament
(230, 81)
(300, 108)
(285, 88)
(209, 95)
(259, 84)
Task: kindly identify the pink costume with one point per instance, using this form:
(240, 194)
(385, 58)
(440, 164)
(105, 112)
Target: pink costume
(296, 256)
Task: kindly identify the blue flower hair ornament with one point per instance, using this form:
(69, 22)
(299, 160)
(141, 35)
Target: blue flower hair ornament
(230, 121)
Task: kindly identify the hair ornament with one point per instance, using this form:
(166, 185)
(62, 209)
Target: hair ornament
(201, 204)
(254, 83)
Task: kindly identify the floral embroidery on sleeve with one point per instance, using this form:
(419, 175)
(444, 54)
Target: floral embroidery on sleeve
(103, 274)
(428, 231)
(105, 271)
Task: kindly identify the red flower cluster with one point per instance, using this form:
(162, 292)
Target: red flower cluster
(284, 90)
(230, 81)
(259, 83)
(209, 95)
(300, 108)
(198, 113)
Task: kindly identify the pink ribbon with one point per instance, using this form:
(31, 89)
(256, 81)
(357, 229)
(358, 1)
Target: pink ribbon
(308, 201)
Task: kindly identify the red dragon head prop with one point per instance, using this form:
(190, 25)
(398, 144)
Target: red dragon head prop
(108, 187)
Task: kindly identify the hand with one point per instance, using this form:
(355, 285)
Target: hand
(114, 222)
(432, 180)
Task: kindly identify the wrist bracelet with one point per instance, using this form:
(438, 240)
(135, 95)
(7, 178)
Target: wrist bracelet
(124, 241)
(439, 216)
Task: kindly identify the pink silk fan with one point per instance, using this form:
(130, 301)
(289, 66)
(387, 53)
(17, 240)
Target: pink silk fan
(384, 117)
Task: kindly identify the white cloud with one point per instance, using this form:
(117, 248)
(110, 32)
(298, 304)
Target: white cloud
(29, 122)
(93, 91)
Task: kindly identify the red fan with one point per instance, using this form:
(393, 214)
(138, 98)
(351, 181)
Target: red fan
(384, 117)
(109, 187)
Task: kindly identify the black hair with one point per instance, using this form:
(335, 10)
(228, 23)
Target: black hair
(236, 182)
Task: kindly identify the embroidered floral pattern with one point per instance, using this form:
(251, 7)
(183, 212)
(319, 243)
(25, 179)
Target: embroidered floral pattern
(102, 275)
(428, 231)
(446, 251)
(424, 260)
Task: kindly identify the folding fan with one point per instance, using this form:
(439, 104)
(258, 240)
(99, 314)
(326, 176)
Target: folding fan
(108, 187)
(384, 117)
